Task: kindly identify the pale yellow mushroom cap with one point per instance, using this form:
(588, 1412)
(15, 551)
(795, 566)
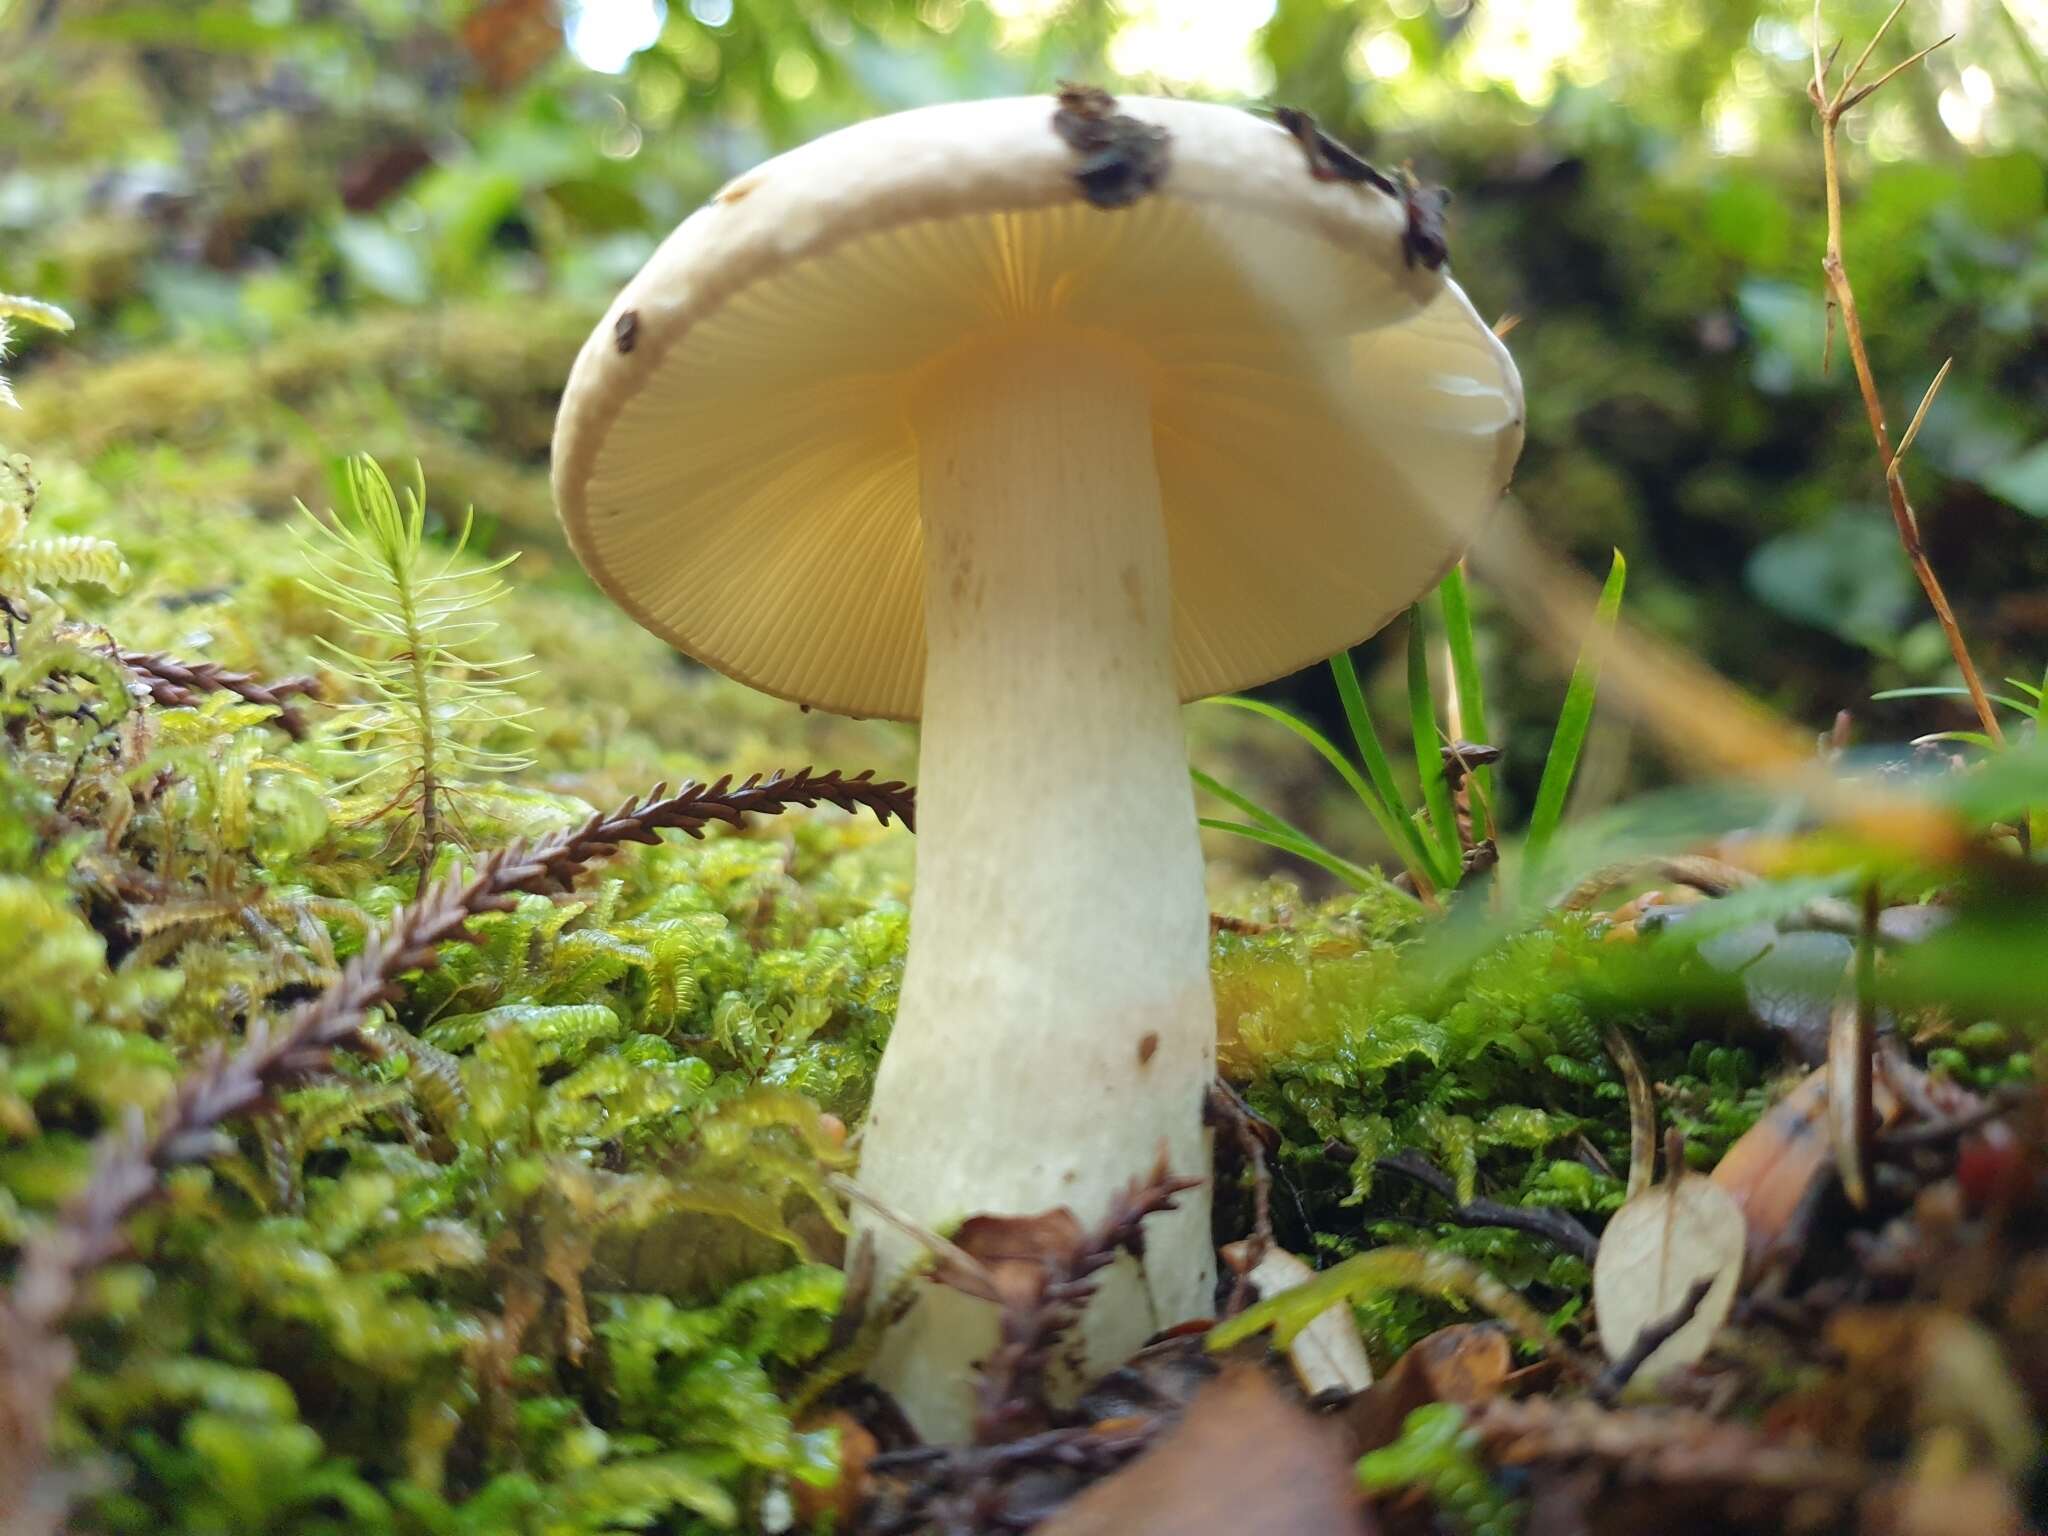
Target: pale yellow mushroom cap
(734, 460)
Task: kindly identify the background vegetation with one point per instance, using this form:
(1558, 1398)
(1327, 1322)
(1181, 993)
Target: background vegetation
(556, 1256)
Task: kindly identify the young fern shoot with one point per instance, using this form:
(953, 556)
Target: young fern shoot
(425, 708)
(26, 562)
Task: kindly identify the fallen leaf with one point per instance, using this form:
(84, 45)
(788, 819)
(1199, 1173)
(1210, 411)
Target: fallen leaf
(1328, 1356)
(1933, 1372)
(1771, 1171)
(1657, 1248)
(1466, 1363)
(1022, 1253)
(1244, 1459)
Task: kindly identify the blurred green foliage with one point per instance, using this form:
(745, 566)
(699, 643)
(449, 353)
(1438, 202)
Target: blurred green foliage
(312, 227)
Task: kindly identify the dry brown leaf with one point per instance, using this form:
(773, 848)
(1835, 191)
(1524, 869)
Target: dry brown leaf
(1771, 1171)
(1657, 1248)
(1466, 1363)
(1942, 1373)
(1022, 1253)
(510, 39)
(1244, 1459)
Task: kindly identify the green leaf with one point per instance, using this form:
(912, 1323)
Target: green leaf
(1392, 814)
(1842, 575)
(1357, 878)
(1262, 826)
(1574, 719)
(2022, 481)
(1956, 691)
(2005, 193)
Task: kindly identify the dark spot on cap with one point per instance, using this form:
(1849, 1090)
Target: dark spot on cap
(1120, 159)
(1148, 1043)
(626, 329)
(1327, 159)
(1422, 242)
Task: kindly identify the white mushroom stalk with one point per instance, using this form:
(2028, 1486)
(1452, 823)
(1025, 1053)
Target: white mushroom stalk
(1032, 419)
(1056, 1027)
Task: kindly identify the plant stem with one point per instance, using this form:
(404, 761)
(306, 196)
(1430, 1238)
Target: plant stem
(1842, 295)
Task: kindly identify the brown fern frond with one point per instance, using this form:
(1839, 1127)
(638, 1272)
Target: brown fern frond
(130, 1164)
(176, 684)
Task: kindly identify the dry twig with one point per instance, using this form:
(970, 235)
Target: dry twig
(1559, 1228)
(1852, 1044)
(1653, 1338)
(1833, 105)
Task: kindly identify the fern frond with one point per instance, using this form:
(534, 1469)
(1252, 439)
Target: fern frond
(26, 563)
(15, 307)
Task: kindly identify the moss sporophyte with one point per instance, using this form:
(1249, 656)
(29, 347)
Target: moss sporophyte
(971, 403)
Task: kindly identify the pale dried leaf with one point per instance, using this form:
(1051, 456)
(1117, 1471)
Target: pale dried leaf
(1655, 1250)
(1327, 1355)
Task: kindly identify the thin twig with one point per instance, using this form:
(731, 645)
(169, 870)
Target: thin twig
(1642, 1112)
(131, 1162)
(1913, 426)
(1618, 1375)
(1852, 1044)
(1832, 107)
(1227, 1110)
(1556, 1227)
(1929, 1133)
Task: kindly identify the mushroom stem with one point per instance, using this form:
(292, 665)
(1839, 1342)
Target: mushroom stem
(1056, 1025)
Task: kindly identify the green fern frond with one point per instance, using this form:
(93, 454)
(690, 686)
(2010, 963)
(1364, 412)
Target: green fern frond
(71, 558)
(15, 307)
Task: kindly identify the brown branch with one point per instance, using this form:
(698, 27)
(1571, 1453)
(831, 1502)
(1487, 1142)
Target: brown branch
(1653, 1338)
(130, 1163)
(1833, 107)
(1558, 1228)
(175, 684)
(1226, 1110)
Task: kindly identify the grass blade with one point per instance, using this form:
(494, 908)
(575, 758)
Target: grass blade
(1392, 823)
(1353, 875)
(1247, 807)
(1457, 605)
(1429, 754)
(1954, 692)
(1574, 719)
(1393, 815)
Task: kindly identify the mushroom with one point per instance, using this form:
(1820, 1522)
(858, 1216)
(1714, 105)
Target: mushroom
(1031, 419)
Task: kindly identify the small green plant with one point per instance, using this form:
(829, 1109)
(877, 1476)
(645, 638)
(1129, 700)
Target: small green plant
(1439, 839)
(14, 307)
(425, 706)
(2027, 700)
(26, 562)
(1438, 1453)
